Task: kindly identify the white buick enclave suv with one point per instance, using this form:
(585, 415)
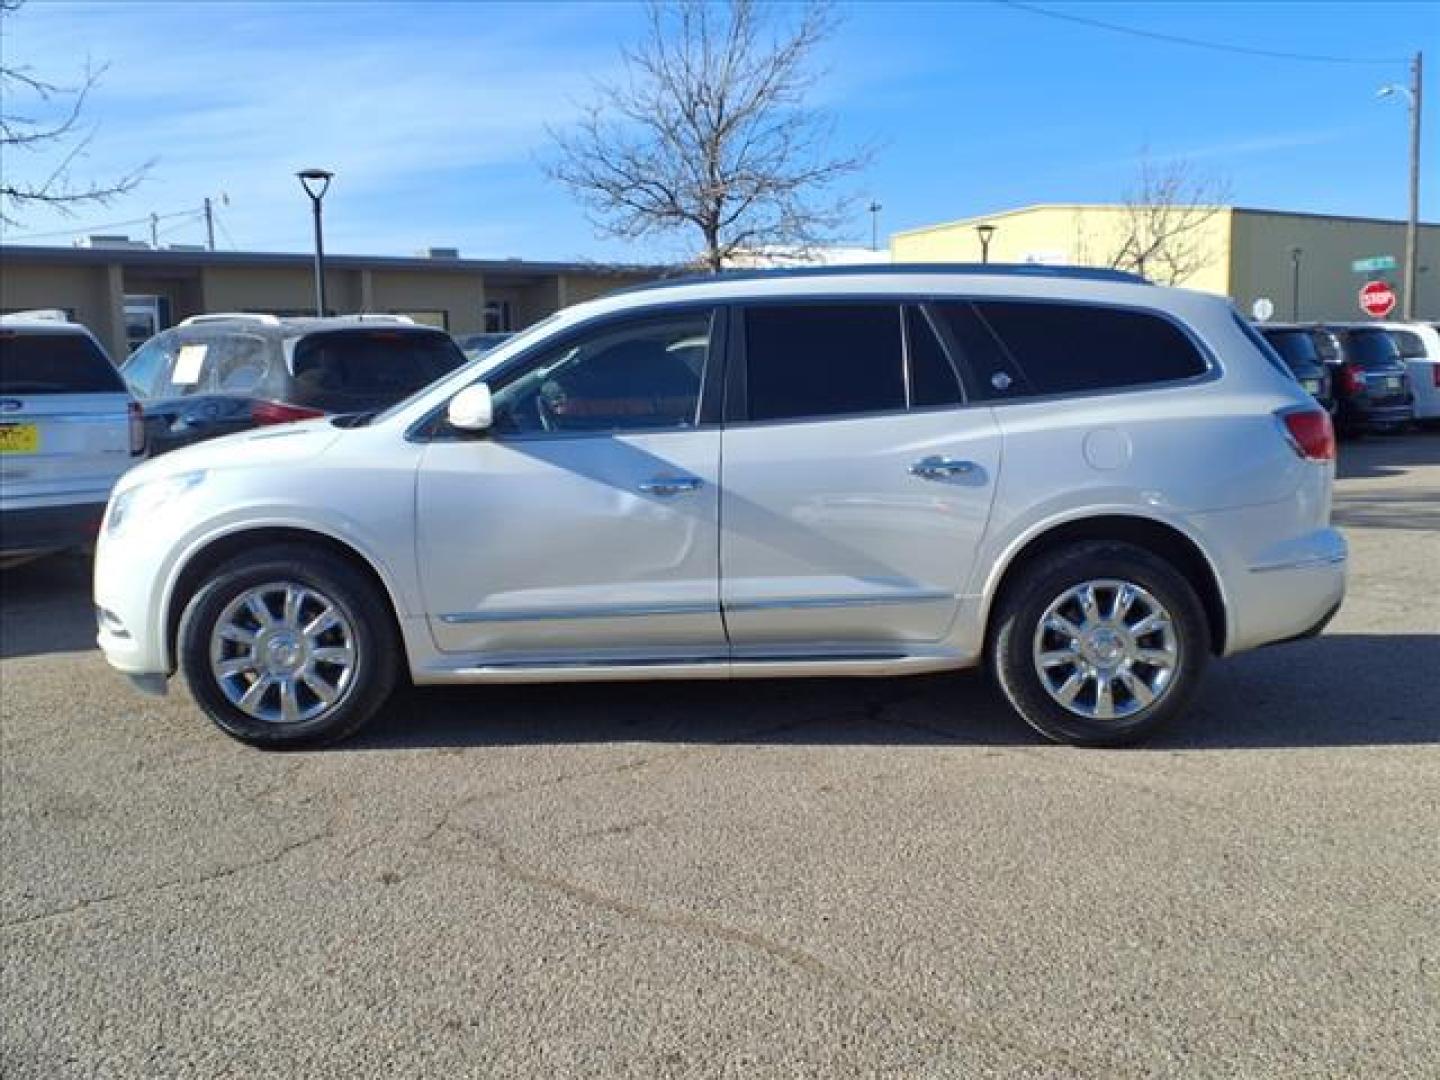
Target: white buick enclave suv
(1085, 482)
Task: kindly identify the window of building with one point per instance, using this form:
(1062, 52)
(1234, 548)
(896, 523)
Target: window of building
(497, 317)
(815, 360)
(640, 374)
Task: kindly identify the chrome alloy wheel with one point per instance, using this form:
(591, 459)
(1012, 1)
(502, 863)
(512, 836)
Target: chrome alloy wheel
(282, 652)
(1106, 649)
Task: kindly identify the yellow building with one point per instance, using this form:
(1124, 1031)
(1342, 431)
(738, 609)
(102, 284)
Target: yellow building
(1241, 253)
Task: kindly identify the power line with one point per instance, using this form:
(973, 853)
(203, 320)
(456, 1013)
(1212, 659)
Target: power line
(108, 225)
(1217, 46)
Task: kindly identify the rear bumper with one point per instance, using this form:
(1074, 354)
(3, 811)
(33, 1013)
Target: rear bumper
(1373, 416)
(49, 528)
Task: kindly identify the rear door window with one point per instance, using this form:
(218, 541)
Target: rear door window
(55, 364)
(807, 361)
(933, 380)
(356, 370)
(1080, 348)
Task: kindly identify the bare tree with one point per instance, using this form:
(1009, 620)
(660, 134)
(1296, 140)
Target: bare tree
(1164, 232)
(708, 132)
(60, 135)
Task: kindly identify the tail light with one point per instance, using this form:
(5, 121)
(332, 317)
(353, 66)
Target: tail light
(1310, 432)
(1352, 379)
(1435, 376)
(277, 412)
(137, 429)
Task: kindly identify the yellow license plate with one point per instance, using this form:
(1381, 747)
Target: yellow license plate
(19, 438)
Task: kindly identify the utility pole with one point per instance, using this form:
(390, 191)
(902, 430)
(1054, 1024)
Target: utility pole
(874, 209)
(155, 231)
(1412, 227)
(1295, 254)
(209, 225)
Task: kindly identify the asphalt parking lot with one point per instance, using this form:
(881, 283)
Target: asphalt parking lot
(799, 879)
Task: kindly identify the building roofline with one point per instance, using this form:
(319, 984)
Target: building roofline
(1031, 208)
(151, 258)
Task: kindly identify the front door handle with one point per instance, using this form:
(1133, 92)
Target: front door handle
(666, 486)
(938, 468)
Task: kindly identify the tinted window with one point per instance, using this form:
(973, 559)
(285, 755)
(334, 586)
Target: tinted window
(932, 378)
(1371, 349)
(823, 360)
(1065, 348)
(54, 364)
(358, 370)
(1296, 347)
(990, 374)
(1410, 344)
(625, 377)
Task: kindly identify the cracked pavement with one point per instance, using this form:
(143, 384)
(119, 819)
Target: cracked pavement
(765, 879)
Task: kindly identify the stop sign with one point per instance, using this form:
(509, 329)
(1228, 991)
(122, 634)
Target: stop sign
(1377, 298)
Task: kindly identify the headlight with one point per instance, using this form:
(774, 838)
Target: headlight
(142, 500)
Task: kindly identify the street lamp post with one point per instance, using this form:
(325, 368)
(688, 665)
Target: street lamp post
(1295, 254)
(874, 209)
(316, 182)
(1412, 224)
(985, 231)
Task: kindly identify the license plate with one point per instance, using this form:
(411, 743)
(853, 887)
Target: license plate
(1312, 385)
(1392, 383)
(19, 438)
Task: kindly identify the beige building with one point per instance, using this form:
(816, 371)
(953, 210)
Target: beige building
(126, 294)
(1241, 253)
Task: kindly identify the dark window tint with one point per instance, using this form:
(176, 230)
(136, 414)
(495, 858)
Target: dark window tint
(823, 360)
(932, 378)
(358, 370)
(1410, 344)
(1371, 349)
(54, 364)
(629, 376)
(1068, 348)
(991, 374)
(1296, 348)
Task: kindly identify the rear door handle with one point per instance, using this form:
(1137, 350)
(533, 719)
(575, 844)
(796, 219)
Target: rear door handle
(938, 468)
(666, 486)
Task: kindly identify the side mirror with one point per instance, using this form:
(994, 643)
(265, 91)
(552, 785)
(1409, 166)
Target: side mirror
(472, 409)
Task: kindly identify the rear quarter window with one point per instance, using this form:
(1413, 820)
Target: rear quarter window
(1080, 348)
(1410, 344)
(1371, 348)
(55, 364)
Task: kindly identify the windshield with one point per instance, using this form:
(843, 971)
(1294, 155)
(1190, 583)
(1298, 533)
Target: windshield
(475, 369)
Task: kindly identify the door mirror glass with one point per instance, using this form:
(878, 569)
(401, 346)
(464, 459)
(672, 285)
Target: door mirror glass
(471, 409)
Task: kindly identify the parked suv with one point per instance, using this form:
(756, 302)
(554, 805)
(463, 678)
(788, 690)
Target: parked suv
(68, 429)
(1090, 484)
(217, 374)
(1419, 346)
(1295, 345)
(1372, 387)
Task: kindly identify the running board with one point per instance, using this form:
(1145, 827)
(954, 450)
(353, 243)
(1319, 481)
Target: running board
(746, 667)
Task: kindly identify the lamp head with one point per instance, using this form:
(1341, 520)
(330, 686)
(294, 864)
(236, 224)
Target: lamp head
(315, 182)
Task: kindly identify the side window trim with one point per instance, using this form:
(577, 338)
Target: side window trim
(921, 307)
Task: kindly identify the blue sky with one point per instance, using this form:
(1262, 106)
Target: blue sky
(433, 115)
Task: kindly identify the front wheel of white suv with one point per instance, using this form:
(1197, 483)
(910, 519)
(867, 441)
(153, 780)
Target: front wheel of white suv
(288, 647)
(1099, 644)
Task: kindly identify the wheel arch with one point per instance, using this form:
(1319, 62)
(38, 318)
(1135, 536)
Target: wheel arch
(1162, 538)
(201, 563)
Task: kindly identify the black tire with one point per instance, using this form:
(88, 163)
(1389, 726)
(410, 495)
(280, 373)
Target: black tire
(1025, 603)
(375, 643)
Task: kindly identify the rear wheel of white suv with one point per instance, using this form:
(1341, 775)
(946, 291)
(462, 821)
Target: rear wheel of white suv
(289, 646)
(1100, 643)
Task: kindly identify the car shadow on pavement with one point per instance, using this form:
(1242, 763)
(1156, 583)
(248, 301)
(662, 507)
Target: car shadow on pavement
(1375, 457)
(1336, 690)
(45, 607)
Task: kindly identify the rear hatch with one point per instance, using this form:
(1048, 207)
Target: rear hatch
(1298, 349)
(64, 420)
(365, 370)
(1372, 352)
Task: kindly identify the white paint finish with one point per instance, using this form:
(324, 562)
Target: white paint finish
(814, 514)
(817, 514)
(561, 524)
